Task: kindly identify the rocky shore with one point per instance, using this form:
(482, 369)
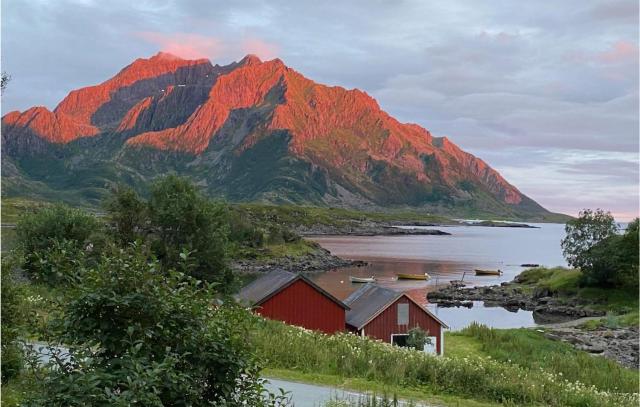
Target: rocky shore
(364, 229)
(616, 343)
(319, 260)
(619, 344)
(546, 308)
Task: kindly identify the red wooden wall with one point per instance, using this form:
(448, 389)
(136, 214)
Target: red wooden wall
(385, 324)
(302, 305)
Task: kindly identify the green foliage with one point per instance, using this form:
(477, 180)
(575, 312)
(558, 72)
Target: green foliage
(57, 241)
(37, 230)
(139, 335)
(63, 262)
(14, 315)
(182, 219)
(418, 338)
(351, 356)
(127, 213)
(583, 233)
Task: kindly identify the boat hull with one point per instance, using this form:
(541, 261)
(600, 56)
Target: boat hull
(424, 276)
(488, 272)
(362, 280)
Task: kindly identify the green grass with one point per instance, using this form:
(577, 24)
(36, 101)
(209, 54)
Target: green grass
(531, 350)
(563, 282)
(309, 215)
(525, 368)
(13, 208)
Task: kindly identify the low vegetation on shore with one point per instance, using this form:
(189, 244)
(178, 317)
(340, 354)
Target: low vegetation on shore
(508, 377)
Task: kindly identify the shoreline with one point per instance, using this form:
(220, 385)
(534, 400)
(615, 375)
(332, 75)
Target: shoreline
(561, 319)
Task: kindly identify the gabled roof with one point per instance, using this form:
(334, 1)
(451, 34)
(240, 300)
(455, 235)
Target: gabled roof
(265, 287)
(371, 300)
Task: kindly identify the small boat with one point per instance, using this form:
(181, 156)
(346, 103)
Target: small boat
(362, 279)
(402, 276)
(480, 272)
(529, 265)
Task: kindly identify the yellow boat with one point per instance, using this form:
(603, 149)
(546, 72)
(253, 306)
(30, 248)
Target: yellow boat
(480, 272)
(402, 276)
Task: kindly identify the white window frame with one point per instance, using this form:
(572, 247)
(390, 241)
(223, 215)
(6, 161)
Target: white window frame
(392, 335)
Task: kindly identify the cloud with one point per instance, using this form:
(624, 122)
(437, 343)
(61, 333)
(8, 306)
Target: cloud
(620, 52)
(193, 46)
(184, 45)
(262, 49)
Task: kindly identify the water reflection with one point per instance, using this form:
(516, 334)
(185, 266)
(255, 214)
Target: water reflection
(496, 317)
(446, 258)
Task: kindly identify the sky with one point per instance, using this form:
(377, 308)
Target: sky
(545, 92)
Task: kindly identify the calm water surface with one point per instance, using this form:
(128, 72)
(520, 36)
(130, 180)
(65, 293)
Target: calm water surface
(446, 258)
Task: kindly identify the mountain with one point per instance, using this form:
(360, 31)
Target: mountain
(248, 131)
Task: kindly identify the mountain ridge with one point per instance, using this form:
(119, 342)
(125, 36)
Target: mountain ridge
(317, 144)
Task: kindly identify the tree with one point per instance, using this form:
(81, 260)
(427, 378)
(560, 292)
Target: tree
(139, 335)
(583, 233)
(127, 214)
(183, 220)
(614, 260)
(4, 81)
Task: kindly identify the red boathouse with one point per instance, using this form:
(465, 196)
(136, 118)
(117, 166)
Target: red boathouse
(388, 315)
(296, 300)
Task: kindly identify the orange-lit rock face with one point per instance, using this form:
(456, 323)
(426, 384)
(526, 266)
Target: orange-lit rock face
(53, 127)
(338, 129)
(130, 119)
(244, 87)
(71, 119)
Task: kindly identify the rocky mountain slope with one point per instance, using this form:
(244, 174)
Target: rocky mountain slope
(247, 131)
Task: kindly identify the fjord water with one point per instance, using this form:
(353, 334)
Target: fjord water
(447, 258)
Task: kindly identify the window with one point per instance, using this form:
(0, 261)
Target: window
(399, 339)
(403, 314)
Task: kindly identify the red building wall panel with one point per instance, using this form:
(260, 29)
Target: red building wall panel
(302, 305)
(386, 323)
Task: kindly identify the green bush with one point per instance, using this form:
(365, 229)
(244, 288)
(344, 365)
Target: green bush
(14, 316)
(36, 231)
(63, 262)
(140, 335)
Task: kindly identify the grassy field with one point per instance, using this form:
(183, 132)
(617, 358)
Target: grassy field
(527, 369)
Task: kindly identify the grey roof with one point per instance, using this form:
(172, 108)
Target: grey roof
(370, 300)
(366, 302)
(265, 287)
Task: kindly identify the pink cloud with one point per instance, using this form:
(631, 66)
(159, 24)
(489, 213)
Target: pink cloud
(261, 48)
(620, 51)
(185, 45)
(191, 46)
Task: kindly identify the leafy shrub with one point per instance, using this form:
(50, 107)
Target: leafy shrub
(14, 314)
(63, 262)
(417, 338)
(36, 231)
(141, 335)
